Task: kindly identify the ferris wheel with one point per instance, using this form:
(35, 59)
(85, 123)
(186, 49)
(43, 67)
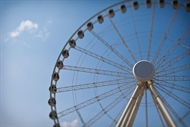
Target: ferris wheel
(128, 65)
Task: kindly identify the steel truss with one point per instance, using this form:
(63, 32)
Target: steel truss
(101, 58)
(93, 100)
(128, 116)
(169, 72)
(97, 71)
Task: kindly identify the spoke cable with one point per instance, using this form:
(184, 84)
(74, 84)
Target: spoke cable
(107, 108)
(123, 41)
(151, 30)
(93, 100)
(175, 97)
(112, 49)
(101, 58)
(165, 36)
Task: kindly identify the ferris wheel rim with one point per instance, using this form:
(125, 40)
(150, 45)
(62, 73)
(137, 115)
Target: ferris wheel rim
(54, 70)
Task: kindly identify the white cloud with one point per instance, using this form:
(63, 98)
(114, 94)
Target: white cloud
(73, 123)
(24, 26)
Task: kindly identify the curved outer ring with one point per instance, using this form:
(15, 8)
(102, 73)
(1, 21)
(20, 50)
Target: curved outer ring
(53, 108)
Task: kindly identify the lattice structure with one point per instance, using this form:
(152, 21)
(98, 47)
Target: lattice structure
(129, 58)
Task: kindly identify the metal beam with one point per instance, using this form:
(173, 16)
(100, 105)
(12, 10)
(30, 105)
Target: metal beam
(146, 107)
(173, 47)
(80, 117)
(159, 113)
(167, 117)
(93, 100)
(172, 78)
(165, 36)
(94, 85)
(112, 49)
(172, 85)
(173, 111)
(135, 109)
(96, 71)
(124, 117)
(127, 47)
(174, 60)
(103, 59)
(174, 70)
(174, 96)
(151, 30)
(107, 108)
(136, 33)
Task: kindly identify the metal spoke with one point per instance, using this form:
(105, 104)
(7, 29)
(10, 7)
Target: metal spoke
(165, 36)
(93, 85)
(103, 59)
(174, 86)
(113, 124)
(172, 110)
(108, 108)
(151, 30)
(174, 60)
(136, 34)
(111, 48)
(175, 45)
(180, 100)
(80, 116)
(127, 47)
(93, 100)
(96, 71)
(185, 115)
(173, 70)
(172, 78)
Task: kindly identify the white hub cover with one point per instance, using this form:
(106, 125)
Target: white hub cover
(143, 71)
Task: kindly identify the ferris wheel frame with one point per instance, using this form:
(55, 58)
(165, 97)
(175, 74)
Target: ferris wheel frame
(128, 116)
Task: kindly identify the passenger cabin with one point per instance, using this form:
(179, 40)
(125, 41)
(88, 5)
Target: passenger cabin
(90, 26)
(161, 3)
(188, 7)
(148, 3)
(59, 64)
(52, 102)
(65, 53)
(123, 8)
(55, 76)
(72, 43)
(80, 34)
(56, 125)
(100, 19)
(53, 115)
(111, 13)
(136, 5)
(52, 89)
(175, 4)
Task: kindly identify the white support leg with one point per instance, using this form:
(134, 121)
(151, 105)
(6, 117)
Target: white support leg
(157, 108)
(125, 116)
(135, 109)
(168, 119)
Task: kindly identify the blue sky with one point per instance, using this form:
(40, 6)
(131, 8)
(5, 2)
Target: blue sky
(32, 35)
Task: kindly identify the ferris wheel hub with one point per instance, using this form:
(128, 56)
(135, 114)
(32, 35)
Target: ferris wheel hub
(143, 71)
